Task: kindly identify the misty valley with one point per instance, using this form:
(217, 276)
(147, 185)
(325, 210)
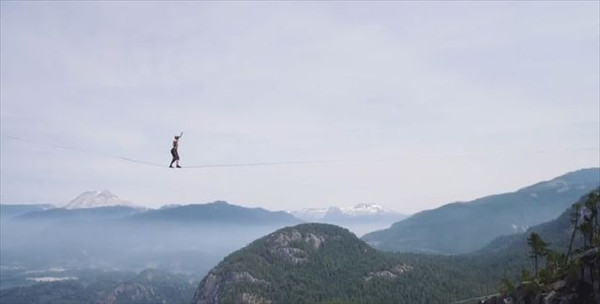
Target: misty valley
(45, 244)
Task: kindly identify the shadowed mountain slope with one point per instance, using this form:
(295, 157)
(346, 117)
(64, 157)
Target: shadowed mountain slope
(464, 227)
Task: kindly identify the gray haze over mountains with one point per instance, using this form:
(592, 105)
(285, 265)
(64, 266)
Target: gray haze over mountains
(99, 230)
(186, 239)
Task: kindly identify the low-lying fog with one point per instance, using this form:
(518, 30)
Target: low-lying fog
(33, 245)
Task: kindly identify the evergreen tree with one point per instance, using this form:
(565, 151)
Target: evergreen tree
(590, 226)
(538, 248)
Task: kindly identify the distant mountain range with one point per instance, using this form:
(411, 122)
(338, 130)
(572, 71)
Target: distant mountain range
(89, 205)
(103, 205)
(81, 214)
(211, 213)
(467, 226)
(360, 219)
(12, 210)
(217, 212)
(94, 202)
(183, 238)
(358, 213)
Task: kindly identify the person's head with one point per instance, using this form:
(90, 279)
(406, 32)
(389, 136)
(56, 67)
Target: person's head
(176, 137)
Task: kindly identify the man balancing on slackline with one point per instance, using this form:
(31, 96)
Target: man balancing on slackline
(174, 151)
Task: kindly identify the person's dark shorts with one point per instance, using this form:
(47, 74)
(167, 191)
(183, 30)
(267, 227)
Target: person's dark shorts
(175, 154)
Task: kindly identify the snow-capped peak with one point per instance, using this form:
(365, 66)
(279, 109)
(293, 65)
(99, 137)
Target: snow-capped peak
(315, 214)
(95, 198)
(366, 209)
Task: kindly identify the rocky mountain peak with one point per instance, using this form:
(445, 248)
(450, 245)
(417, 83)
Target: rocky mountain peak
(259, 266)
(286, 244)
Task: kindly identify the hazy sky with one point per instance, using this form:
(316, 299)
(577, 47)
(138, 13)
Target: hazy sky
(424, 103)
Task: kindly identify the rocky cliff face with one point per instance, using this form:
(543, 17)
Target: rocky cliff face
(389, 274)
(215, 284)
(583, 287)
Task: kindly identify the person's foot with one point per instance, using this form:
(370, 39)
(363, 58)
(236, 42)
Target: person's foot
(171, 166)
(178, 166)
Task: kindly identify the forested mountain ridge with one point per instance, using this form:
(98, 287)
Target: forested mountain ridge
(321, 263)
(464, 227)
(556, 231)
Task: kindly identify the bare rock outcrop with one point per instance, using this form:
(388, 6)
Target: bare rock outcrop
(213, 285)
(285, 245)
(389, 274)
